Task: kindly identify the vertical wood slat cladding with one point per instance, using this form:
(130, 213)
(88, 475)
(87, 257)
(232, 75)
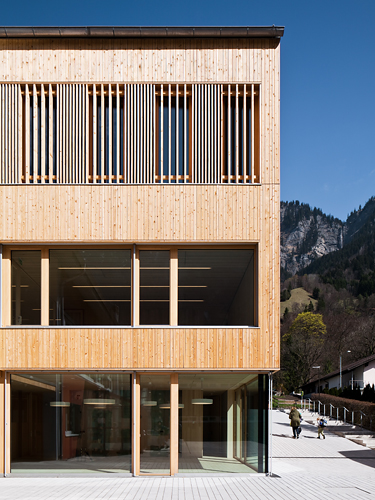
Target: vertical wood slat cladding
(65, 123)
(157, 348)
(211, 60)
(72, 213)
(10, 137)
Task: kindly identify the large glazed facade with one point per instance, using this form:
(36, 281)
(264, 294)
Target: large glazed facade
(139, 231)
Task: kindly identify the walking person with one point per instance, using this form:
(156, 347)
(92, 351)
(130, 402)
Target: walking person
(295, 421)
(321, 425)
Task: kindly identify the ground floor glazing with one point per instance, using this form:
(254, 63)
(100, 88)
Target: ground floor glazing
(140, 423)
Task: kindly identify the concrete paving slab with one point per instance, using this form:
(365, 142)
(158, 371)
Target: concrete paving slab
(305, 468)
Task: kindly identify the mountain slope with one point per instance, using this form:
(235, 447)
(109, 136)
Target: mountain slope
(354, 265)
(306, 235)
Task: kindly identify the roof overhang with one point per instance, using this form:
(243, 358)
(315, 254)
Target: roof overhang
(141, 32)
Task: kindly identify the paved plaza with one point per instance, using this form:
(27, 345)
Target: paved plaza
(305, 468)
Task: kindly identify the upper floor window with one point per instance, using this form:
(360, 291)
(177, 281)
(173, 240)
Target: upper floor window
(130, 133)
(118, 287)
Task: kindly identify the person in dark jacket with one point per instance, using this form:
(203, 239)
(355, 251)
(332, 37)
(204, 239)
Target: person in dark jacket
(295, 421)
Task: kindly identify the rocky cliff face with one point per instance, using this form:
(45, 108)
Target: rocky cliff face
(306, 235)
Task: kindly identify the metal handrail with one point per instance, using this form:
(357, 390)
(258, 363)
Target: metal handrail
(308, 403)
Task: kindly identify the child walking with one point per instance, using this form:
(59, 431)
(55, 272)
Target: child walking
(321, 425)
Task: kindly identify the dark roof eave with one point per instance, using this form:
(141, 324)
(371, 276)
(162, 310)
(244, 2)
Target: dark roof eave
(141, 32)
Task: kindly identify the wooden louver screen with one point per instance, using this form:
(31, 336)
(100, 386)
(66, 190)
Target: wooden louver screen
(130, 133)
(10, 133)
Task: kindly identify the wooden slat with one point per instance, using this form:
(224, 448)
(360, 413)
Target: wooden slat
(35, 134)
(110, 132)
(117, 134)
(102, 136)
(169, 132)
(161, 152)
(43, 169)
(95, 135)
(45, 287)
(237, 136)
(244, 154)
(252, 135)
(50, 134)
(177, 133)
(174, 441)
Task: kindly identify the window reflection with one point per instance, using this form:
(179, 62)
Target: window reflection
(26, 292)
(71, 421)
(90, 287)
(216, 287)
(154, 284)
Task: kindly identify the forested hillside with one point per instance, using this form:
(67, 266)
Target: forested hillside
(353, 266)
(341, 285)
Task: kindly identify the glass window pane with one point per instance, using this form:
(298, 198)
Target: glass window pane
(216, 287)
(210, 423)
(90, 287)
(155, 424)
(154, 283)
(26, 292)
(71, 421)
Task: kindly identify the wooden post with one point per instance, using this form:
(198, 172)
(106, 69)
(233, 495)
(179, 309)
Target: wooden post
(174, 425)
(137, 425)
(44, 299)
(173, 287)
(6, 286)
(4, 423)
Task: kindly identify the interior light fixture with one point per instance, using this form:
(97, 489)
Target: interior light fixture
(99, 401)
(202, 401)
(100, 286)
(60, 404)
(90, 268)
(105, 300)
(149, 403)
(166, 406)
(196, 268)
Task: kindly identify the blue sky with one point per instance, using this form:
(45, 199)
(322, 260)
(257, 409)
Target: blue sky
(327, 79)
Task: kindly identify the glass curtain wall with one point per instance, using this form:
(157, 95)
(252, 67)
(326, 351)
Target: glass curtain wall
(155, 424)
(26, 291)
(216, 287)
(90, 287)
(154, 287)
(71, 421)
(223, 423)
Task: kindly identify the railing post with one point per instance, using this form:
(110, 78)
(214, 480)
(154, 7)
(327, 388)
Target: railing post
(324, 410)
(337, 414)
(344, 415)
(352, 417)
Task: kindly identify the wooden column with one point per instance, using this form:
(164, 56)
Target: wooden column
(4, 424)
(44, 300)
(136, 441)
(6, 286)
(173, 287)
(174, 424)
(136, 289)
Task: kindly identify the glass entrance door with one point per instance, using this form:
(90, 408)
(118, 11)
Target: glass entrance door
(155, 424)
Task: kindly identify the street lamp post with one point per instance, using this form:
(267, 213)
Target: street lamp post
(340, 385)
(318, 368)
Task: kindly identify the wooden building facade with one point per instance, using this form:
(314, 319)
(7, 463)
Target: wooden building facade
(139, 232)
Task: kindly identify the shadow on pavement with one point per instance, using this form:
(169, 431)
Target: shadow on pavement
(364, 457)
